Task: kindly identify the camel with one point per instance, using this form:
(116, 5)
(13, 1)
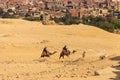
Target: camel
(46, 53)
(66, 53)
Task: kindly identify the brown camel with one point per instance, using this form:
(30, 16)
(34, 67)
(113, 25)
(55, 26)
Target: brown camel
(63, 53)
(66, 52)
(46, 53)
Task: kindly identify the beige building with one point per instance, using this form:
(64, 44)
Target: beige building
(54, 4)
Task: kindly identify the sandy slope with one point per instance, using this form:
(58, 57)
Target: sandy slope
(21, 43)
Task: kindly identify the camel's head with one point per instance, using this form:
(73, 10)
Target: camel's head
(74, 51)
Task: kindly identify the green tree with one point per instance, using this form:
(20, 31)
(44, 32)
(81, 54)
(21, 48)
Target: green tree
(67, 19)
(85, 19)
(7, 15)
(108, 24)
(1, 11)
(27, 15)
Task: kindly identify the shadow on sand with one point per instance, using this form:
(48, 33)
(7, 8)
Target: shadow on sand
(117, 58)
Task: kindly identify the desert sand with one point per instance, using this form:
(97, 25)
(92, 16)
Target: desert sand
(21, 44)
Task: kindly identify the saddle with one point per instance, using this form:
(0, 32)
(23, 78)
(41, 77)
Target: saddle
(65, 52)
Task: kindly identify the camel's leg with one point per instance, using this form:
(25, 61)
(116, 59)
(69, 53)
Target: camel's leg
(42, 55)
(67, 55)
(61, 56)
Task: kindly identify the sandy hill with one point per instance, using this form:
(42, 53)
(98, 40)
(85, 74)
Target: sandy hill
(21, 44)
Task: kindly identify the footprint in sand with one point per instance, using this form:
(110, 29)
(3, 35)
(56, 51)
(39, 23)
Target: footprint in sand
(7, 35)
(44, 41)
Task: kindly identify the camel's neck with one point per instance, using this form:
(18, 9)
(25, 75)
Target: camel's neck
(54, 52)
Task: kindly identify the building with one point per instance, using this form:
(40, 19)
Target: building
(54, 4)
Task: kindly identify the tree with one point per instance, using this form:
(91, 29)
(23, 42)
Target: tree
(9, 10)
(108, 24)
(91, 19)
(84, 19)
(7, 15)
(27, 15)
(1, 11)
(67, 19)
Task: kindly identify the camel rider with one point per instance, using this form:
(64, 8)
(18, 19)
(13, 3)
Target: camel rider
(65, 48)
(45, 51)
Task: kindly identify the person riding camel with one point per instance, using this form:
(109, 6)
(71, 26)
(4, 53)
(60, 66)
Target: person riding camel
(44, 52)
(45, 49)
(65, 51)
(65, 48)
